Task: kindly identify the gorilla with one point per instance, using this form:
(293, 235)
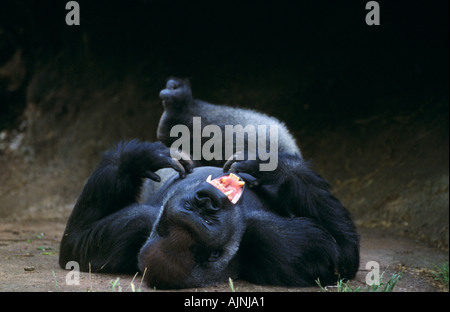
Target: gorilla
(173, 219)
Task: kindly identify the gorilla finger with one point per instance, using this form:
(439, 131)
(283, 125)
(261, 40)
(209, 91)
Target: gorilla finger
(238, 156)
(227, 165)
(187, 163)
(232, 166)
(254, 184)
(183, 159)
(248, 166)
(152, 176)
(177, 166)
(248, 178)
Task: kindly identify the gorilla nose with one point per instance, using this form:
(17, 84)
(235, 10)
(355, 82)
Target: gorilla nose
(204, 202)
(209, 197)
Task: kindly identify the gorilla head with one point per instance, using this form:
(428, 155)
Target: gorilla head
(196, 236)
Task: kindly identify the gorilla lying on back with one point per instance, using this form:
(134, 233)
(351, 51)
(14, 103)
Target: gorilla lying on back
(199, 226)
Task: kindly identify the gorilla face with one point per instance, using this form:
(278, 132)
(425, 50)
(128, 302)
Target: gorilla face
(196, 236)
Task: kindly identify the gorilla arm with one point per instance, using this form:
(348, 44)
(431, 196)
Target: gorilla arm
(287, 251)
(107, 227)
(294, 190)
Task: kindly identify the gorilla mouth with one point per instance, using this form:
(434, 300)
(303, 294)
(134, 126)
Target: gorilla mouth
(231, 185)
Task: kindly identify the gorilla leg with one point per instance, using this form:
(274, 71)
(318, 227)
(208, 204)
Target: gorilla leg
(180, 108)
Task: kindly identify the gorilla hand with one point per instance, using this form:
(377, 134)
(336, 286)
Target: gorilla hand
(142, 160)
(248, 166)
(279, 186)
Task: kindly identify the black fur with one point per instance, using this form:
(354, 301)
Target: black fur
(287, 229)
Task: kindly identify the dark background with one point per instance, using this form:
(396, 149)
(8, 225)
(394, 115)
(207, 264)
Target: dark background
(367, 104)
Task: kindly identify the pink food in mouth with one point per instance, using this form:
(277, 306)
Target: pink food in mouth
(231, 185)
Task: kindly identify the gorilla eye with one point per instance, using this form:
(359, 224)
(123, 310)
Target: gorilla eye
(210, 218)
(187, 206)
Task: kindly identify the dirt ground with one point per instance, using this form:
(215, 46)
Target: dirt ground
(29, 262)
